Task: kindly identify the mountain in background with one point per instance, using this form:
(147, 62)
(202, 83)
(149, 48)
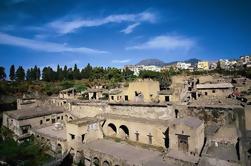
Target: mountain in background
(193, 61)
(157, 62)
(148, 62)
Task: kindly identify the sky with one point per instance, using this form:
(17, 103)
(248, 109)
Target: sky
(116, 33)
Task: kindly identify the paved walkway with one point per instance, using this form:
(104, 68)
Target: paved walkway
(133, 155)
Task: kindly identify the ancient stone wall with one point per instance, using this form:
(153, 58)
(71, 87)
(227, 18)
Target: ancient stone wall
(136, 131)
(153, 112)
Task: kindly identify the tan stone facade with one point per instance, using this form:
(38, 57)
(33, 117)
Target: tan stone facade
(99, 131)
(145, 90)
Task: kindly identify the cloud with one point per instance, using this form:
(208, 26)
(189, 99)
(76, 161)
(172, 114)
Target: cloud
(7, 28)
(167, 43)
(121, 61)
(64, 27)
(45, 46)
(130, 28)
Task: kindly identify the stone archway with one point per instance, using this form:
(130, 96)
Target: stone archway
(123, 132)
(166, 138)
(111, 129)
(96, 161)
(106, 163)
(176, 113)
(59, 148)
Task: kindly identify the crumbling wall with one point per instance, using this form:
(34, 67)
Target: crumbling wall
(153, 112)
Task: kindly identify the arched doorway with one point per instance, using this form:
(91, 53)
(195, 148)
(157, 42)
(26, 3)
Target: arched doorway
(166, 138)
(176, 113)
(59, 148)
(106, 163)
(111, 129)
(95, 161)
(237, 147)
(123, 132)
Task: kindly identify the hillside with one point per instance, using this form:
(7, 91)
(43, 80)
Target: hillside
(148, 62)
(157, 62)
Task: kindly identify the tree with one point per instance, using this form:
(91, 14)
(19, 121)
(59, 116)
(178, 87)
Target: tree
(87, 71)
(113, 75)
(149, 74)
(20, 74)
(97, 73)
(128, 74)
(12, 74)
(60, 73)
(32, 74)
(28, 74)
(65, 72)
(38, 73)
(2, 73)
(69, 74)
(48, 74)
(76, 73)
(165, 80)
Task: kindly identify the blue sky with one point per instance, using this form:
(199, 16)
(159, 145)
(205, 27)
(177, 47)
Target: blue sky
(115, 33)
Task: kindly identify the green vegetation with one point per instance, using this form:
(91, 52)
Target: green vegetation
(2, 73)
(12, 73)
(51, 81)
(20, 74)
(26, 153)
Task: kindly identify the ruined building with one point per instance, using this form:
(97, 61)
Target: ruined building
(139, 124)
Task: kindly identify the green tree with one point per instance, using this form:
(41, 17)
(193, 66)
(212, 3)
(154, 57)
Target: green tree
(113, 74)
(149, 74)
(171, 72)
(87, 71)
(20, 74)
(76, 73)
(28, 74)
(165, 80)
(32, 74)
(12, 73)
(48, 74)
(2, 73)
(97, 73)
(60, 73)
(65, 72)
(37, 73)
(69, 74)
(128, 74)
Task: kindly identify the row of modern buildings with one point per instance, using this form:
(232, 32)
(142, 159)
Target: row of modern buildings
(200, 66)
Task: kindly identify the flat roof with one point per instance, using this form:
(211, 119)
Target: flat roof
(188, 121)
(84, 121)
(115, 91)
(69, 89)
(34, 112)
(52, 132)
(90, 90)
(214, 86)
(214, 102)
